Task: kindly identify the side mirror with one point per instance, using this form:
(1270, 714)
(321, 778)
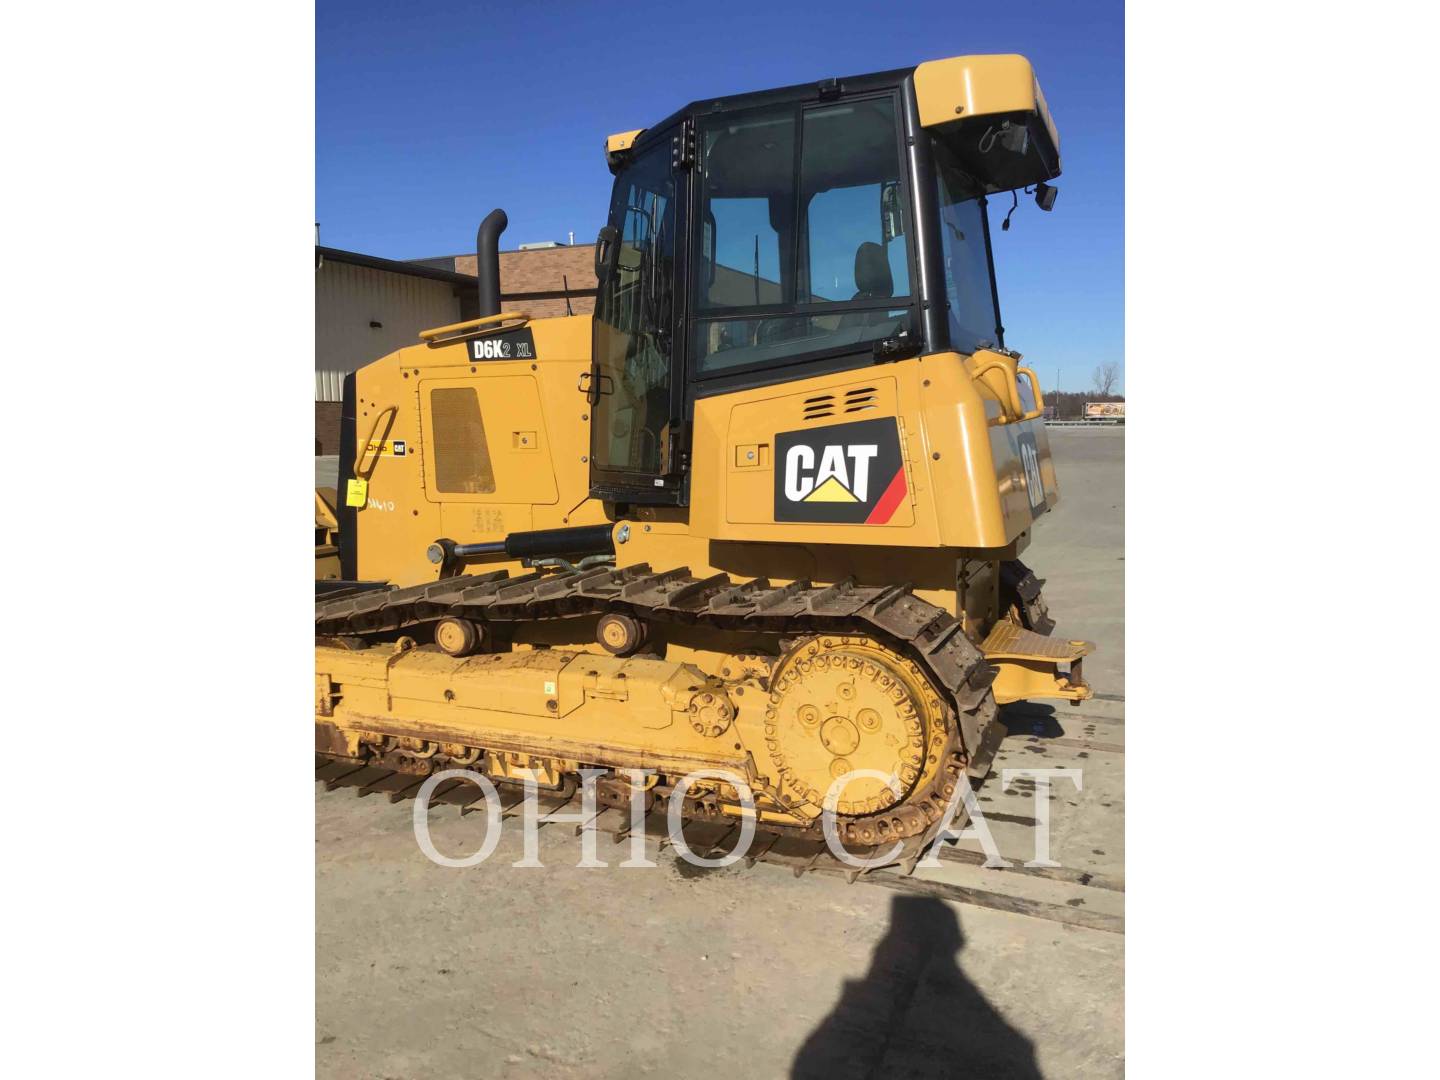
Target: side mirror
(606, 251)
(1045, 196)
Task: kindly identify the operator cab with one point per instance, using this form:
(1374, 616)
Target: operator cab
(770, 237)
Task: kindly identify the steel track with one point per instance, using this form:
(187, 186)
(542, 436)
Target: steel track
(926, 634)
(893, 614)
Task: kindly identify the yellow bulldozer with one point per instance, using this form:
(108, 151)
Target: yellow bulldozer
(757, 519)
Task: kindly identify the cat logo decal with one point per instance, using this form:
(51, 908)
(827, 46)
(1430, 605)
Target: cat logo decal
(842, 474)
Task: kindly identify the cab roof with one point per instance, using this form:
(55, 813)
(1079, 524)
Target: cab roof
(947, 92)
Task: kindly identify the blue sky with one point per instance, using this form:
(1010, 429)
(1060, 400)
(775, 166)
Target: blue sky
(429, 114)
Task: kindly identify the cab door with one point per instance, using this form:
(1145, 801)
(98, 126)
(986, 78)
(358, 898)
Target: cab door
(634, 449)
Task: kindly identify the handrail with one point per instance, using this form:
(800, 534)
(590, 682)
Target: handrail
(472, 324)
(1039, 409)
(1016, 411)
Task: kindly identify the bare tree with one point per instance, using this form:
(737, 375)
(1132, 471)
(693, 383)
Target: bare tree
(1105, 376)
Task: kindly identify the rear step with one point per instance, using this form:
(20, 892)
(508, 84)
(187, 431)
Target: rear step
(1029, 665)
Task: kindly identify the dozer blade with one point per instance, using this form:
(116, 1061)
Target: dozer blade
(1030, 665)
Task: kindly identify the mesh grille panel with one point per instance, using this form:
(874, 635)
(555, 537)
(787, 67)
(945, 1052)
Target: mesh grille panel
(462, 457)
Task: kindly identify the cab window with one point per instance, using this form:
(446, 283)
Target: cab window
(969, 293)
(803, 243)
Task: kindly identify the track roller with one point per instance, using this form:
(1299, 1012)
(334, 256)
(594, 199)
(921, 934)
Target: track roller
(620, 635)
(458, 637)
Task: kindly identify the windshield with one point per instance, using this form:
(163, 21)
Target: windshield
(973, 313)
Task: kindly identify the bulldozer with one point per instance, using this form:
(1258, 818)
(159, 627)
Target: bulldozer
(757, 520)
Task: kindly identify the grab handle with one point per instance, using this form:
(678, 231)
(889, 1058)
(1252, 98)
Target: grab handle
(389, 410)
(471, 324)
(1011, 408)
(1039, 409)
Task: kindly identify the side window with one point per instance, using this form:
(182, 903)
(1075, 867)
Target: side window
(970, 299)
(833, 233)
(633, 318)
(850, 188)
(747, 259)
(749, 166)
(842, 221)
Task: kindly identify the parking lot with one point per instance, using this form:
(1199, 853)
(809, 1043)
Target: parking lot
(425, 971)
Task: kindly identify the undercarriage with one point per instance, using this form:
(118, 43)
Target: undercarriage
(783, 698)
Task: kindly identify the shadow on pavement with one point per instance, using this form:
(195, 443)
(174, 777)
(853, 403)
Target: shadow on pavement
(1032, 718)
(915, 1014)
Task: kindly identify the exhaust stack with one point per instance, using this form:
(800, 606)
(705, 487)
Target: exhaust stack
(487, 260)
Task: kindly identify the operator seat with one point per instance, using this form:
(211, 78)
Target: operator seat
(873, 281)
(872, 273)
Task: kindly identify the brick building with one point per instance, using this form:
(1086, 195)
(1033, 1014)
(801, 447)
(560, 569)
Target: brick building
(535, 278)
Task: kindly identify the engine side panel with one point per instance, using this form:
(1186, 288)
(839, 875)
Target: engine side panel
(511, 455)
(918, 453)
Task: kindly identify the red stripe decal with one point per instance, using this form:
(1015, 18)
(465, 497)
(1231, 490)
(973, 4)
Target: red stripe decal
(890, 501)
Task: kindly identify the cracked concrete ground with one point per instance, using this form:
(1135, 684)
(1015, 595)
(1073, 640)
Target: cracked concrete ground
(424, 971)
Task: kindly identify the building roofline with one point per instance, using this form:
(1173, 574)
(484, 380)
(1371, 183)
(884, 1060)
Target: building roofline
(374, 262)
(513, 251)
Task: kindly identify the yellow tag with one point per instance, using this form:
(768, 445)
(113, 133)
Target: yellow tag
(355, 491)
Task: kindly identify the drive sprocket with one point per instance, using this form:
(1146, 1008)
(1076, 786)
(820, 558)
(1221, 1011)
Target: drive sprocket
(840, 703)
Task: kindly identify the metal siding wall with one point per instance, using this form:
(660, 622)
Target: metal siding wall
(328, 385)
(348, 298)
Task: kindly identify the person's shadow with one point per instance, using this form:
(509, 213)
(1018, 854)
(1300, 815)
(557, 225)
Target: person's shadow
(915, 1014)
